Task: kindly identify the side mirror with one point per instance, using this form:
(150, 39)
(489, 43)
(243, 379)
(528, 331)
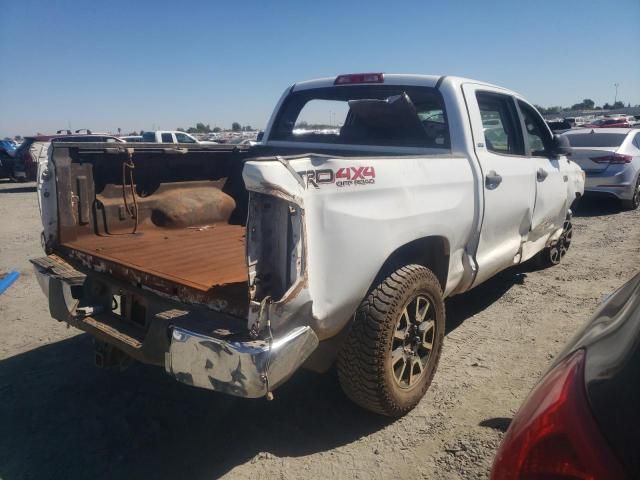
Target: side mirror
(259, 136)
(560, 146)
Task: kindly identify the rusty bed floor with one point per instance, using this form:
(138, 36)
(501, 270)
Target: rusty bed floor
(198, 258)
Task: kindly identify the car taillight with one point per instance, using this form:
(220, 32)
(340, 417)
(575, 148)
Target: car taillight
(359, 78)
(554, 435)
(616, 158)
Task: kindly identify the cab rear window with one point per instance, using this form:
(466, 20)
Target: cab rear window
(384, 115)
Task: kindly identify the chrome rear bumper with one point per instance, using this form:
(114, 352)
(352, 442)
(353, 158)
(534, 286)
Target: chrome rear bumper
(241, 368)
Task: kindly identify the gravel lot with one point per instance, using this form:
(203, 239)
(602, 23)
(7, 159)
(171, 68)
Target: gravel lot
(60, 417)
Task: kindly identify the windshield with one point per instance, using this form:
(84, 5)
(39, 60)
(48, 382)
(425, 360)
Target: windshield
(596, 139)
(364, 115)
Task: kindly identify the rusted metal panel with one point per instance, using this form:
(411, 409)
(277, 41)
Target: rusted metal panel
(200, 258)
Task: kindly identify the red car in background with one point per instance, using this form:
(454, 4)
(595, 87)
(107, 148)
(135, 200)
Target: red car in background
(621, 122)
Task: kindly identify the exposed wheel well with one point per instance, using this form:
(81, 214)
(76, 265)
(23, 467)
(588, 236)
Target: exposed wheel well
(431, 252)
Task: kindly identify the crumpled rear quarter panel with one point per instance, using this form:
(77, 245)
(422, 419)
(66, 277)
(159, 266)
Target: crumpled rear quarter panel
(352, 228)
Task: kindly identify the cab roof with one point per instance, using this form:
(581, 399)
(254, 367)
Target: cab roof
(393, 79)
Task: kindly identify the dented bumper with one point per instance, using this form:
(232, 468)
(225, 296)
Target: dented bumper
(199, 351)
(249, 368)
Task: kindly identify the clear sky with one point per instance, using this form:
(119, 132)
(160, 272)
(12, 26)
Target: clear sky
(139, 64)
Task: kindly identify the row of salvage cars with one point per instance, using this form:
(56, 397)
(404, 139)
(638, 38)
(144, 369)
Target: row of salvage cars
(609, 157)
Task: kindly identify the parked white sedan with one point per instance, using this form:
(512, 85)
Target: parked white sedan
(611, 160)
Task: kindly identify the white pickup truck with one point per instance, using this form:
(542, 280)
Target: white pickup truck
(322, 245)
(171, 136)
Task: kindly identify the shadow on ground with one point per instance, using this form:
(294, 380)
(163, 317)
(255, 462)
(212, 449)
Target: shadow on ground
(461, 307)
(64, 418)
(497, 423)
(25, 189)
(594, 206)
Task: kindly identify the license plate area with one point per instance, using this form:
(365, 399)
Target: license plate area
(130, 308)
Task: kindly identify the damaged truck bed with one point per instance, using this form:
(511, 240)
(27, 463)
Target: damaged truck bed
(164, 220)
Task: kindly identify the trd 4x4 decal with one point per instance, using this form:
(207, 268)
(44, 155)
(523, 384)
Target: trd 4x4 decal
(343, 177)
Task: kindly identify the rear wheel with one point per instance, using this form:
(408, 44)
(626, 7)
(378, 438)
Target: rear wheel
(392, 350)
(554, 254)
(634, 202)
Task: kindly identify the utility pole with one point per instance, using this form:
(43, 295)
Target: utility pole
(615, 99)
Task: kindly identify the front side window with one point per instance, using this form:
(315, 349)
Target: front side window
(501, 134)
(536, 134)
(182, 138)
(384, 115)
(166, 138)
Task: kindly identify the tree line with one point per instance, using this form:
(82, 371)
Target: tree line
(586, 104)
(202, 128)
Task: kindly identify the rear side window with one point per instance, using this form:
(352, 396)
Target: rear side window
(502, 133)
(148, 137)
(166, 138)
(385, 115)
(596, 139)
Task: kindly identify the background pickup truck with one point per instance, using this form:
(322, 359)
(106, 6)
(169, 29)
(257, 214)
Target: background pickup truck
(325, 244)
(170, 136)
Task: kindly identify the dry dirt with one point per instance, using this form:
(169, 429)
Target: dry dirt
(60, 417)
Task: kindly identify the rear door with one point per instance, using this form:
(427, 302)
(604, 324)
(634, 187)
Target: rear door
(551, 175)
(508, 178)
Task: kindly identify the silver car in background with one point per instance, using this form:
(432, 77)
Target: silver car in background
(611, 161)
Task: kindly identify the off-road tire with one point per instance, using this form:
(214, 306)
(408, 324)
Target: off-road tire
(364, 362)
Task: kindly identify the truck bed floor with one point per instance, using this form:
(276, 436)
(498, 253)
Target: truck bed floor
(200, 258)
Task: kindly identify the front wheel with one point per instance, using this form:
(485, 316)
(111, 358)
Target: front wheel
(392, 350)
(554, 254)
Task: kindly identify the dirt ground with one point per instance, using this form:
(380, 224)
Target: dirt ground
(60, 417)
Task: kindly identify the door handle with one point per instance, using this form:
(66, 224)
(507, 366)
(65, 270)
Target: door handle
(492, 180)
(541, 174)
